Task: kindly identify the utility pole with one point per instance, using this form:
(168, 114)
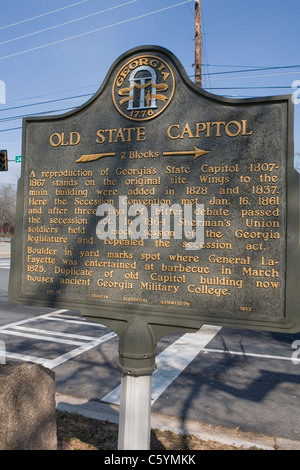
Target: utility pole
(198, 44)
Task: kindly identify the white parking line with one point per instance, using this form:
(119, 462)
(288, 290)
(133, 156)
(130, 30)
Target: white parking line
(78, 322)
(55, 333)
(247, 354)
(26, 358)
(84, 343)
(172, 361)
(28, 320)
(52, 339)
(5, 264)
(76, 352)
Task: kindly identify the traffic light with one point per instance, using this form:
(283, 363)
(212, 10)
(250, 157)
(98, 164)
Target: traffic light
(3, 160)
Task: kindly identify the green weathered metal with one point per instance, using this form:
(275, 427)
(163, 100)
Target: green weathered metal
(149, 135)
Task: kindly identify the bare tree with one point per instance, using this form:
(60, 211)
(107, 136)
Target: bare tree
(7, 209)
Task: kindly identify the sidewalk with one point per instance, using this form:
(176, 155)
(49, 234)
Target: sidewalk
(234, 437)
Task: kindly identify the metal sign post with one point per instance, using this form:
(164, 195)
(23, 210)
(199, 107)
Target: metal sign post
(135, 413)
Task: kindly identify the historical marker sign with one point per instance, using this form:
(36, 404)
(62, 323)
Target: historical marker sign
(95, 231)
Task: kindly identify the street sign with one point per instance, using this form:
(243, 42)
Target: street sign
(18, 159)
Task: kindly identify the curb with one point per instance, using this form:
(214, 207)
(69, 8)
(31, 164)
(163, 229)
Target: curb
(234, 437)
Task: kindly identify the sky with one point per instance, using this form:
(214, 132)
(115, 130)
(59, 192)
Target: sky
(55, 54)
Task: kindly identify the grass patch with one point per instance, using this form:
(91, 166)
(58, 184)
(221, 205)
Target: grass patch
(75, 432)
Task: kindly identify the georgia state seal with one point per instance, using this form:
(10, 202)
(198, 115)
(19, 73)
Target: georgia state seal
(143, 87)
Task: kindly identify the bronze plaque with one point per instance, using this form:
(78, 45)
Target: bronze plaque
(161, 201)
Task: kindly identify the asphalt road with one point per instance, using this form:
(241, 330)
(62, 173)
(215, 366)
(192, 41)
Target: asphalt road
(219, 376)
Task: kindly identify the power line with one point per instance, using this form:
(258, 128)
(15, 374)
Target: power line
(47, 102)
(11, 129)
(95, 30)
(32, 115)
(97, 86)
(258, 76)
(91, 94)
(67, 22)
(72, 108)
(53, 93)
(240, 65)
(11, 118)
(255, 70)
(252, 76)
(15, 118)
(284, 67)
(40, 16)
(251, 87)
